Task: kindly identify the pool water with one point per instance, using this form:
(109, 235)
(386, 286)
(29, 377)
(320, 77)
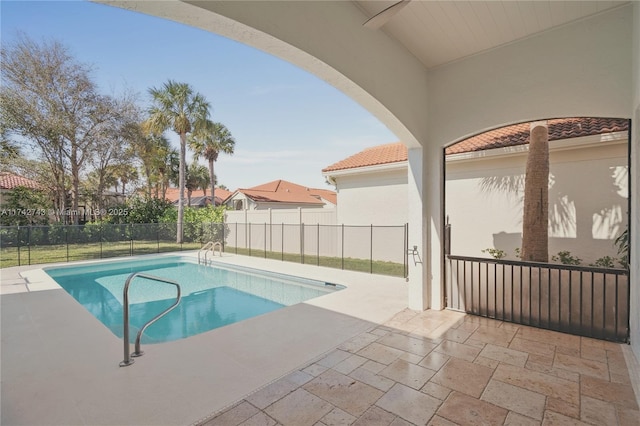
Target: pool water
(212, 297)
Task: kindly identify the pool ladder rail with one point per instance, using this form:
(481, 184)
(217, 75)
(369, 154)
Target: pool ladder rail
(125, 304)
(210, 247)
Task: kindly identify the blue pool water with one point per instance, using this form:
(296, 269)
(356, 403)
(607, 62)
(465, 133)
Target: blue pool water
(212, 297)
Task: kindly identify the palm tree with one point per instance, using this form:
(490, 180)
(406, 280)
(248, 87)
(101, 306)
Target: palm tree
(177, 107)
(197, 178)
(208, 143)
(126, 173)
(535, 222)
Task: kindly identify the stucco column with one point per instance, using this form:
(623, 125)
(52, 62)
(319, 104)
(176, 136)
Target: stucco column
(418, 291)
(433, 201)
(425, 177)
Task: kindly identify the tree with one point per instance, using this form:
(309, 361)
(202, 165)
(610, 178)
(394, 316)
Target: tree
(112, 148)
(49, 99)
(148, 149)
(197, 178)
(208, 143)
(9, 150)
(535, 223)
(25, 199)
(126, 173)
(177, 107)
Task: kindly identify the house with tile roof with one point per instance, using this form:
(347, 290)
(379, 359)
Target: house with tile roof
(197, 200)
(9, 181)
(280, 194)
(588, 195)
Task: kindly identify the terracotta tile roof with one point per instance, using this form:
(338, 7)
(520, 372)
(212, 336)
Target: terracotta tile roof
(223, 194)
(10, 181)
(282, 191)
(381, 154)
(174, 193)
(518, 134)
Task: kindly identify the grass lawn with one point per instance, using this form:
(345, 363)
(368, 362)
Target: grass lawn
(351, 264)
(88, 251)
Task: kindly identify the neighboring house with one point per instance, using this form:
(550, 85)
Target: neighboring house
(9, 181)
(280, 194)
(371, 186)
(588, 195)
(173, 194)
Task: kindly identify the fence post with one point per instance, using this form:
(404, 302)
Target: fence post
(265, 240)
(66, 239)
(131, 239)
(236, 237)
(29, 245)
(270, 230)
(405, 256)
(302, 241)
(100, 234)
(247, 236)
(318, 241)
(371, 251)
(282, 241)
(342, 243)
(18, 240)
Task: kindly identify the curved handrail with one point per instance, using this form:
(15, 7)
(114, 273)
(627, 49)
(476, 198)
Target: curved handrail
(125, 305)
(205, 248)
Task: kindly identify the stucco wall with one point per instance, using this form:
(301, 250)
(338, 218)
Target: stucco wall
(635, 185)
(378, 199)
(577, 70)
(588, 199)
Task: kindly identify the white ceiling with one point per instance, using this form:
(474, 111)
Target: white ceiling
(438, 32)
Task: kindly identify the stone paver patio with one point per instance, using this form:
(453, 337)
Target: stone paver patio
(447, 368)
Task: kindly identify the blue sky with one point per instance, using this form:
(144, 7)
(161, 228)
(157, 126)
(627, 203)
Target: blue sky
(288, 124)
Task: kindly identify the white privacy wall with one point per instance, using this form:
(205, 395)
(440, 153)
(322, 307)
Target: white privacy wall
(588, 198)
(373, 198)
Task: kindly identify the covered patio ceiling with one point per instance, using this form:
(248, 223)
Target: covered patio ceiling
(438, 32)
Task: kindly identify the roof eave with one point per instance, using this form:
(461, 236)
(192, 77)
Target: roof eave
(376, 168)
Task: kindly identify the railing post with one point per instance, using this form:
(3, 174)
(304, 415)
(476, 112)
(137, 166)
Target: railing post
(66, 239)
(100, 235)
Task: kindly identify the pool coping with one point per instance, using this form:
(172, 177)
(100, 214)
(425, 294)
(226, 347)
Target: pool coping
(60, 364)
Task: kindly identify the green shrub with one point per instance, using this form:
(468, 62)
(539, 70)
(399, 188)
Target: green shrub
(604, 262)
(495, 253)
(566, 258)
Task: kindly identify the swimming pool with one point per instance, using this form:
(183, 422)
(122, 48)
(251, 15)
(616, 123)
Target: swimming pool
(212, 296)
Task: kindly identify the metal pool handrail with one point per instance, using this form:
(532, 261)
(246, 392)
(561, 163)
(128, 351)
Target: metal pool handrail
(125, 304)
(213, 251)
(205, 248)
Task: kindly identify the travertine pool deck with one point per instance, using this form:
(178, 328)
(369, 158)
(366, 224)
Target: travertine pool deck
(357, 356)
(59, 365)
(447, 368)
